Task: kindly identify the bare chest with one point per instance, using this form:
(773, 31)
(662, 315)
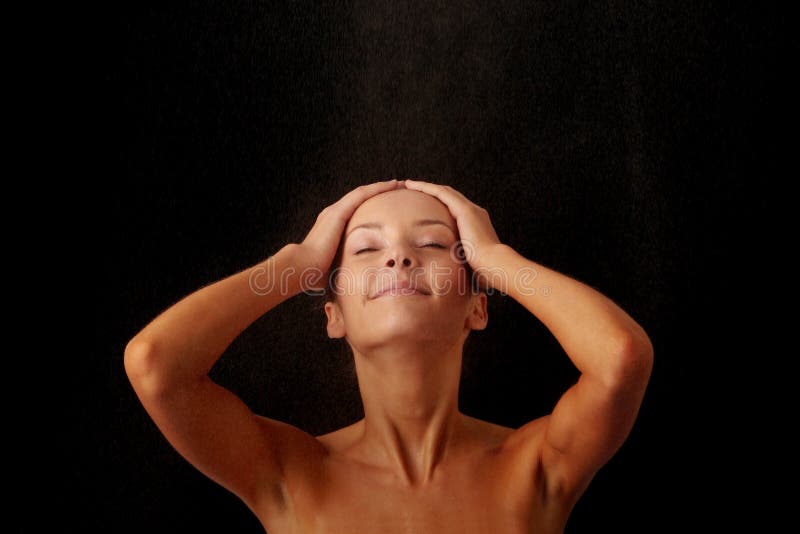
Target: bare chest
(461, 498)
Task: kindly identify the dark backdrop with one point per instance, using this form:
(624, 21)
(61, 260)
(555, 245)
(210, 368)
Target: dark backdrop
(619, 142)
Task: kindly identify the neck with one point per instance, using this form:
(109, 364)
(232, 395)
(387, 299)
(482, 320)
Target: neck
(411, 416)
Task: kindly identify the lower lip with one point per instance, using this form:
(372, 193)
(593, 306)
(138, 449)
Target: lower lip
(401, 293)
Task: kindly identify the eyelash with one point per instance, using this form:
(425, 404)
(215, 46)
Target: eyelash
(437, 245)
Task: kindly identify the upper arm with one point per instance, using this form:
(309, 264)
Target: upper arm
(219, 435)
(591, 421)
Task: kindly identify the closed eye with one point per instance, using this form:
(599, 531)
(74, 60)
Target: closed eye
(434, 245)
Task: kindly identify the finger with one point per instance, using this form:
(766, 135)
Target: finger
(430, 187)
(452, 198)
(326, 234)
(352, 200)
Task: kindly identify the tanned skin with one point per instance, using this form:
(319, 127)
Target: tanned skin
(414, 463)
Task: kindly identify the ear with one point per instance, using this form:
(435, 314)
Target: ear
(336, 328)
(478, 316)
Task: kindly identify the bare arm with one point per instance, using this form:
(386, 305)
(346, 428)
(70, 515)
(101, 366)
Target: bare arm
(168, 364)
(612, 352)
(169, 360)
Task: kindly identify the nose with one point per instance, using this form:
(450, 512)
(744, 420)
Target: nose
(391, 261)
(399, 254)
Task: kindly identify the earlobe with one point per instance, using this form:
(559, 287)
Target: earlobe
(335, 325)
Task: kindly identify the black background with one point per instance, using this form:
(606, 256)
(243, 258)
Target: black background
(623, 143)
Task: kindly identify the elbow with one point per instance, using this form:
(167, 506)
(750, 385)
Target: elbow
(633, 359)
(143, 366)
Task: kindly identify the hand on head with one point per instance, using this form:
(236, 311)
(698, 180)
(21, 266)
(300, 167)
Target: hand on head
(477, 235)
(319, 247)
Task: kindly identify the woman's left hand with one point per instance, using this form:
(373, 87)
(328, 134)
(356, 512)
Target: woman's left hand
(478, 237)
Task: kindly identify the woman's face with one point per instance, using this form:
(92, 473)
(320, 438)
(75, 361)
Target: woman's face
(396, 238)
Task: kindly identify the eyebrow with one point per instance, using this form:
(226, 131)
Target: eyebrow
(421, 222)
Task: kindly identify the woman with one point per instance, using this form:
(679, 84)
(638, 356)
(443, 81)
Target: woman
(403, 302)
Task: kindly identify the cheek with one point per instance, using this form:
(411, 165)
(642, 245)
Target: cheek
(449, 280)
(348, 283)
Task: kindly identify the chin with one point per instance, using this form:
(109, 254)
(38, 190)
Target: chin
(403, 327)
(409, 322)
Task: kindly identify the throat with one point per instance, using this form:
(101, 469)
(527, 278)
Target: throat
(412, 445)
(411, 417)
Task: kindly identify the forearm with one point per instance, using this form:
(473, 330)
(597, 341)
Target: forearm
(185, 341)
(599, 337)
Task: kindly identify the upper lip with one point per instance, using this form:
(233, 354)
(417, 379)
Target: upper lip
(400, 284)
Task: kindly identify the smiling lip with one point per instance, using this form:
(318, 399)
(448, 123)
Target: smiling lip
(401, 288)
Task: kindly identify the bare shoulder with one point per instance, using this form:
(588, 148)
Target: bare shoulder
(293, 444)
(343, 438)
(509, 437)
(518, 449)
(486, 432)
(515, 454)
(530, 434)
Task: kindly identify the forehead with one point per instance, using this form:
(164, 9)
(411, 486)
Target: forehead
(400, 206)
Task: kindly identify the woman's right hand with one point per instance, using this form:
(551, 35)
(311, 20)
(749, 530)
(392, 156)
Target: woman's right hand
(319, 247)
